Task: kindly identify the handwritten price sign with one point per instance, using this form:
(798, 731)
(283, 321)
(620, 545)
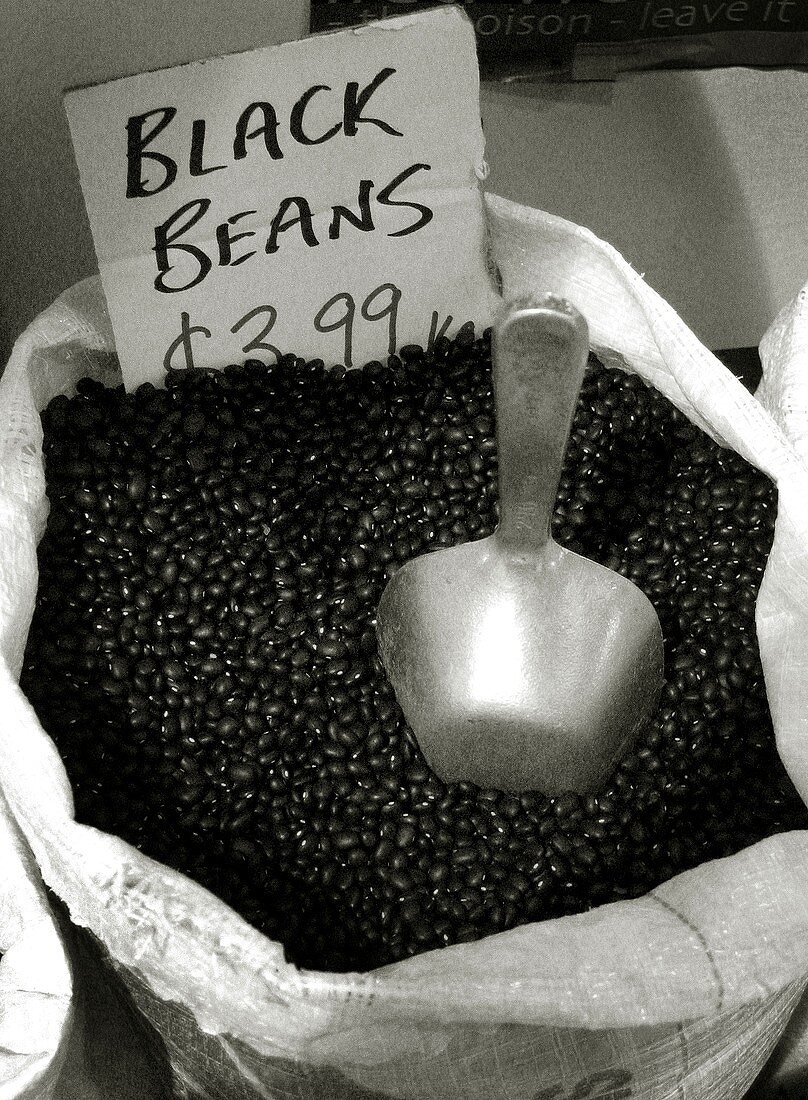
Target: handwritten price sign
(338, 315)
(320, 197)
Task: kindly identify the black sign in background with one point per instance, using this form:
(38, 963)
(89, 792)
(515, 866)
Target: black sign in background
(593, 39)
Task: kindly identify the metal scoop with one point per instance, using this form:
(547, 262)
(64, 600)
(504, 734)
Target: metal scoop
(519, 664)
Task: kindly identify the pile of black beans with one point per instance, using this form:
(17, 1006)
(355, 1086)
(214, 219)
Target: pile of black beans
(203, 650)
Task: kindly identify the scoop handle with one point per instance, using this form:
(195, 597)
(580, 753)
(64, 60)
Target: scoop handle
(540, 349)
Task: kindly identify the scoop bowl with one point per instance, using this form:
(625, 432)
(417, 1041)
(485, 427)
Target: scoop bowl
(519, 674)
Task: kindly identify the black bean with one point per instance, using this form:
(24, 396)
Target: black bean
(214, 555)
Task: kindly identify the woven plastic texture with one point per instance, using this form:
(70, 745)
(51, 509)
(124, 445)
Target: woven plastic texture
(679, 994)
(36, 1013)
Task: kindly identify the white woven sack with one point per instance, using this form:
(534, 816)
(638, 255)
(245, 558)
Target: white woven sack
(679, 994)
(785, 1075)
(35, 983)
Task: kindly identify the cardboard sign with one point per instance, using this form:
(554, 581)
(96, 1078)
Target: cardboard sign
(320, 197)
